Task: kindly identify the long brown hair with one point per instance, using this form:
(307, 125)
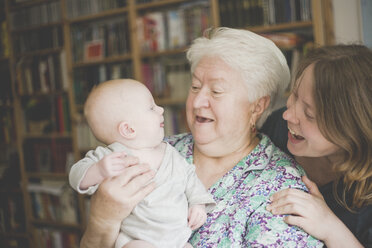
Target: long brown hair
(343, 101)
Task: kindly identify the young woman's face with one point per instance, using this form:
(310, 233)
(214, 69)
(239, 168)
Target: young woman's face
(304, 136)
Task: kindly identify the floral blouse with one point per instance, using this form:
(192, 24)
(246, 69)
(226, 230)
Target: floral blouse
(240, 218)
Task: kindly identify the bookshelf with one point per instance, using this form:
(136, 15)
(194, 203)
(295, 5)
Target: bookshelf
(13, 212)
(60, 49)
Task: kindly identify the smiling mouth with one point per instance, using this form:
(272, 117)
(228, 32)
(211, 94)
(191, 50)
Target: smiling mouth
(294, 135)
(203, 119)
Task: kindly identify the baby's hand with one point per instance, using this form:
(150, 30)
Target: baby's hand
(197, 216)
(112, 164)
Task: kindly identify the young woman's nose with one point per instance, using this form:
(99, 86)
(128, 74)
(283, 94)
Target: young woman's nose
(290, 114)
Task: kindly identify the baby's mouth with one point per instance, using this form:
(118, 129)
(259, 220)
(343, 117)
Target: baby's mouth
(294, 135)
(203, 119)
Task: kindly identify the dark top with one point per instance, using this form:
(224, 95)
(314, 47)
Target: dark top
(360, 222)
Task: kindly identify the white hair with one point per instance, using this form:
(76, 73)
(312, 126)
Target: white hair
(262, 65)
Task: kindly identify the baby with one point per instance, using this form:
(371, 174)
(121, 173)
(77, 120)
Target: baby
(123, 115)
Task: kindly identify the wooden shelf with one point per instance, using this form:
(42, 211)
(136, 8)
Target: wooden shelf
(14, 234)
(101, 15)
(47, 175)
(170, 102)
(159, 4)
(47, 136)
(34, 28)
(113, 59)
(281, 27)
(27, 4)
(43, 94)
(163, 53)
(40, 52)
(11, 191)
(4, 59)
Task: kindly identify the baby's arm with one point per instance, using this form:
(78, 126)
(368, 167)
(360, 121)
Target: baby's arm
(200, 201)
(88, 169)
(197, 216)
(109, 166)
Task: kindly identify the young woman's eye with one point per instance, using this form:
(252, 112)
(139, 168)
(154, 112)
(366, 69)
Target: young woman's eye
(309, 117)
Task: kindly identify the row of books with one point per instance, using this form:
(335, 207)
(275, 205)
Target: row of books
(146, 1)
(12, 216)
(48, 155)
(36, 15)
(54, 201)
(99, 39)
(43, 74)
(85, 138)
(41, 39)
(53, 238)
(173, 28)
(86, 77)
(46, 114)
(12, 242)
(167, 78)
(175, 120)
(245, 13)
(76, 8)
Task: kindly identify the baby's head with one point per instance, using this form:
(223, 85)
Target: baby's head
(124, 111)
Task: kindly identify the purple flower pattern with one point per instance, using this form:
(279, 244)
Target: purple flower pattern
(240, 218)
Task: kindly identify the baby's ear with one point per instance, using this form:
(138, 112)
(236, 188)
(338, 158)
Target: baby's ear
(126, 130)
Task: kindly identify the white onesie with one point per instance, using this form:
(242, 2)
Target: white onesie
(161, 217)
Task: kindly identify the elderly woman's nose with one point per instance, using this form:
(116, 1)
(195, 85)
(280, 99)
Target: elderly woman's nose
(201, 100)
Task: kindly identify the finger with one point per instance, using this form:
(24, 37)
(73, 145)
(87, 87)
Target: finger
(143, 192)
(191, 217)
(130, 160)
(289, 193)
(290, 208)
(295, 220)
(116, 155)
(138, 182)
(313, 188)
(130, 173)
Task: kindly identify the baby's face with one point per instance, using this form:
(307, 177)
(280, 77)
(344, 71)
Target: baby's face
(148, 117)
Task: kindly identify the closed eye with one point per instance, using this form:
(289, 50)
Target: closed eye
(195, 88)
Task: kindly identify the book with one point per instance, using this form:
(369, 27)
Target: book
(176, 28)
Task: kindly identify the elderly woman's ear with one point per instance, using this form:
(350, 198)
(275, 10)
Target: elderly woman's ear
(259, 106)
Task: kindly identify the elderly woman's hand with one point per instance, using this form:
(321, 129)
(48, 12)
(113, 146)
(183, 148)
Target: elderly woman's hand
(311, 213)
(114, 200)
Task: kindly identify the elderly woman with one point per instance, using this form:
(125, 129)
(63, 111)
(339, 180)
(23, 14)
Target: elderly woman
(236, 78)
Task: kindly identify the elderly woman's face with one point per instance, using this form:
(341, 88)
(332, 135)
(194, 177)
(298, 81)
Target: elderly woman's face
(217, 107)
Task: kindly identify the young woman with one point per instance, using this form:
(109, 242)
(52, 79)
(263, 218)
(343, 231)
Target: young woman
(329, 119)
